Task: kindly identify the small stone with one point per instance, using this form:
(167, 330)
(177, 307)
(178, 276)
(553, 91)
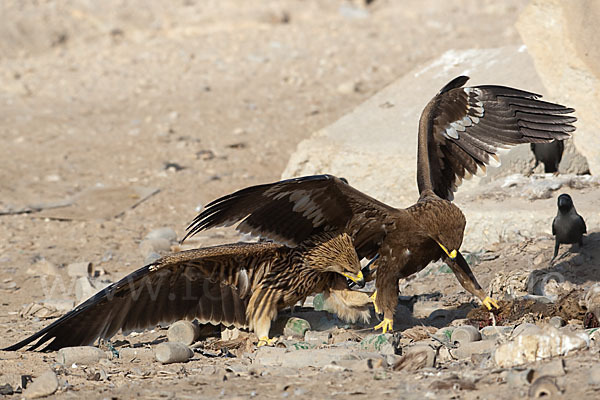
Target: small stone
(465, 334)
(183, 331)
(80, 355)
(557, 322)
(79, 269)
(468, 349)
(296, 327)
(346, 88)
(166, 233)
(44, 385)
(168, 353)
(129, 354)
(316, 338)
(156, 245)
(230, 333)
(6, 389)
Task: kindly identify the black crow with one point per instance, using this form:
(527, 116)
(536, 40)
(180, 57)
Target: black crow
(568, 227)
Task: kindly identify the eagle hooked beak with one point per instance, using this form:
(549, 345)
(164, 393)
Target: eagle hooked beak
(359, 279)
(452, 254)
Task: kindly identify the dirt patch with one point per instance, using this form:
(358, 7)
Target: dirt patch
(514, 312)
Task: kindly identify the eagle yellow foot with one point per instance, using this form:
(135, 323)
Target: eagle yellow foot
(265, 341)
(385, 325)
(373, 297)
(490, 303)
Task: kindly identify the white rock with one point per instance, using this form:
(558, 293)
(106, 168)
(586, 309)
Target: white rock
(79, 269)
(42, 386)
(465, 334)
(83, 355)
(168, 353)
(183, 331)
(533, 347)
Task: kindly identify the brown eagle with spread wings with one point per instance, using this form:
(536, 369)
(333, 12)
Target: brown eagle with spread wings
(241, 285)
(460, 130)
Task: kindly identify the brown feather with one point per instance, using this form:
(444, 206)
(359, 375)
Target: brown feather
(460, 132)
(242, 284)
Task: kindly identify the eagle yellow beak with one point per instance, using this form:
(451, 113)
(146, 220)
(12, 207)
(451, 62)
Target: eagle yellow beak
(451, 254)
(359, 279)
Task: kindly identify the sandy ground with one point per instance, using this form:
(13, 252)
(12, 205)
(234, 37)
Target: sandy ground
(197, 99)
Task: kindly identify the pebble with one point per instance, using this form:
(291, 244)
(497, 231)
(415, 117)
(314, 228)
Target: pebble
(296, 327)
(166, 233)
(557, 322)
(136, 354)
(183, 331)
(495, 332)
(384, 343)
(465, 334)
(157, 245)
(80, 355)
(78, 269)
(44, 385)
(317, 337)
(468, 349)
(167, 353)
(230, 333)
(6, 389)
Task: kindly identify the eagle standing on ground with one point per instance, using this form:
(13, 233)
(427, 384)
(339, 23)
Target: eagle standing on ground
(460, 130)
(568, 227)
(241, 285)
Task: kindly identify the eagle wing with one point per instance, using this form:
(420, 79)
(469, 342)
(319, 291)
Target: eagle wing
(212, 284)
(465, 126)
(292, 210)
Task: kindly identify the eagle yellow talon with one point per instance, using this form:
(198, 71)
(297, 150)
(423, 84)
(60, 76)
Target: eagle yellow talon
(490, 303)
(373, 297)
(385, 325)
(265, 341)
